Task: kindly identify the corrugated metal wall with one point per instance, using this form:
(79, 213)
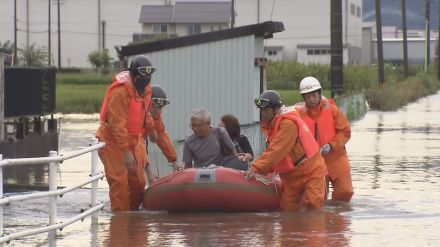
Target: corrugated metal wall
(218, 76)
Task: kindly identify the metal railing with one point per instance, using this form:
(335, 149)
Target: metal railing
(54, 160)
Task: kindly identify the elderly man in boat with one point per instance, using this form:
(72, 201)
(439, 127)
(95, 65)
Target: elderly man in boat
(209, 145)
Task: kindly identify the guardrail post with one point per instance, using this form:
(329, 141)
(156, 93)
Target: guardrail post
(94, 171)
(53, 169)
(1, 196)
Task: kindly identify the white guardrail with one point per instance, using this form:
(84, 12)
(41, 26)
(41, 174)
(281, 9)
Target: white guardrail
(54, 160)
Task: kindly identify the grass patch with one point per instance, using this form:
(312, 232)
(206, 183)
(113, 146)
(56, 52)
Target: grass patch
(83, 79)
(395, 95)
(79, 98)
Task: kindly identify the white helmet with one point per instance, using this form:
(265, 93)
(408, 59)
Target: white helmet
(309, 84)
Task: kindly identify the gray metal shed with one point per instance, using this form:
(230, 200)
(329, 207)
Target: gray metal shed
(218, 71)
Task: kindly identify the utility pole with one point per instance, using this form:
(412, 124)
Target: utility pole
(99, 25)
(232, 13)
(427, 34)
(14, 57)
(49, 45)
(27, 24)
(103, 35)
(379, 43)
(405, 39)
(438, 46)
(2, 96)
(258, 11)
(336, 61)
(59, 35)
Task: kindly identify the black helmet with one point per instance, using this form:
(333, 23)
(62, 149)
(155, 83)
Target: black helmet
(141, 65)
(158, 96)
(268, 98)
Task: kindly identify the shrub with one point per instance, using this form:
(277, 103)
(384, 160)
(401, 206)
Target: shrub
(99, 59)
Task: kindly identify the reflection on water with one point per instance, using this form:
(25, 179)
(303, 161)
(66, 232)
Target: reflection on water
(395, 159)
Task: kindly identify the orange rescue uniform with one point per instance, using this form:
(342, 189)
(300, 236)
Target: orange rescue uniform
(162, 139)
(329, 125)
(123, 120)
(304, 182)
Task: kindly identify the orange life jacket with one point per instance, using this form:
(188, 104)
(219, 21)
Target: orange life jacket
(324, 129)
(309, 144)
(137, 108)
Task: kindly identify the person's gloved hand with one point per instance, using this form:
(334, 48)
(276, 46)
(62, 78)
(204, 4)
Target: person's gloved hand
(129, 160)
(175, 166)
(249, 174)
(325, 149)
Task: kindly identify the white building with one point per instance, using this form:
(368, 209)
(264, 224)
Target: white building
(307, 27)
(392, 43)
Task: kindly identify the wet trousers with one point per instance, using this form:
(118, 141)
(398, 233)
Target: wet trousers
(300, 190)
(339, 176)
(126, 187)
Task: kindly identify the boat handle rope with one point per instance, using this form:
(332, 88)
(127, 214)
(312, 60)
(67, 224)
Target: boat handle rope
(263, 180)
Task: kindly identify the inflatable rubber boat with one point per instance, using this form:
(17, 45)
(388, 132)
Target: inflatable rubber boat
(218, 189)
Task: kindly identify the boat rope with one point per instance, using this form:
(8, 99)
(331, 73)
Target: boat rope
(263, 179)
(275, 176)
(155, 158)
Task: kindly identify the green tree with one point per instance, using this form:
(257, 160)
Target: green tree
(33, 56)
(99, 59)
(8, 49)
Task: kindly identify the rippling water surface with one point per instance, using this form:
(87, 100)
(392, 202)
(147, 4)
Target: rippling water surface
(395, 159)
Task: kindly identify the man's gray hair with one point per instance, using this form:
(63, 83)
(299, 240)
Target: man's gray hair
(201, 114)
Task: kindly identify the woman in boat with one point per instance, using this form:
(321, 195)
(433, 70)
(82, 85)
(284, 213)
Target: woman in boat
(241, 142)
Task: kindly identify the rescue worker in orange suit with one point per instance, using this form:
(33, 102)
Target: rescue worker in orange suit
(331, 130)
(293, 153)
(123, 119)
(158, 101)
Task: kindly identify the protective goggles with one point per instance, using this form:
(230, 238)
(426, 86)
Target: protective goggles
(146, 70)
(261, 102)
(160, 102)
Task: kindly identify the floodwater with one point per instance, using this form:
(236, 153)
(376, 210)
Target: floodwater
(395, 159)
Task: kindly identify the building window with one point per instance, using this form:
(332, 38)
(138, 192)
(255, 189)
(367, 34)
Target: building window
(358, 11)
(194, 29)
(318, 51)
(160, 28)
(272, 53)
(352, 9)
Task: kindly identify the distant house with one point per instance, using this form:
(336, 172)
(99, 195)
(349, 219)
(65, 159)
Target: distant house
(182, 19)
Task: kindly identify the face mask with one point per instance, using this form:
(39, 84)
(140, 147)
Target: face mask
(140, 83)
